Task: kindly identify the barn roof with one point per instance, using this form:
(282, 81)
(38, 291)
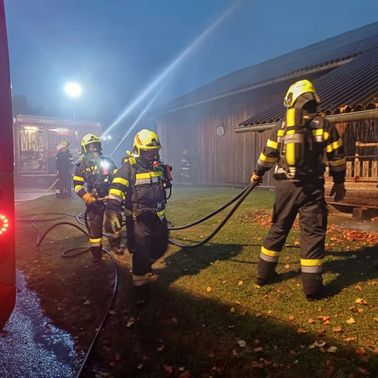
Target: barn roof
(351, 87)
(335, 61)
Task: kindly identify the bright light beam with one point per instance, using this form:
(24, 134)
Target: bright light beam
(143, 112)
(171, 67)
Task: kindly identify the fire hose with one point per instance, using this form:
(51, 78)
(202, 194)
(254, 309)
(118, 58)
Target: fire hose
(239, 198)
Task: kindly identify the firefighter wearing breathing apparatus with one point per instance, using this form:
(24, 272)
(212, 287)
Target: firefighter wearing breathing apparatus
(93, 175)
(140, 186)
(296, 148)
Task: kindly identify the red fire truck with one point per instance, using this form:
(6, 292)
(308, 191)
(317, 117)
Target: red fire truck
(35, 142)
(7, 221)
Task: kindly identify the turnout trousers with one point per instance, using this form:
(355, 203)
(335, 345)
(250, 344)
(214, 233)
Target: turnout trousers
(64, 184)
(307, 199)
(149, 242)
(95, 216)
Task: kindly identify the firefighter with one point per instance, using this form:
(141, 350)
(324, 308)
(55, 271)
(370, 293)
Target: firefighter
(296, 148)
(64, 163)
(93, 175)
(140, 185)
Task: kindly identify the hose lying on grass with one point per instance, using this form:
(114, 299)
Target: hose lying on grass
(239, 198)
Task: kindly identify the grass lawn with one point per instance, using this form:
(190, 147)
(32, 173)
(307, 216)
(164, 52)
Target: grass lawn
(207, 318)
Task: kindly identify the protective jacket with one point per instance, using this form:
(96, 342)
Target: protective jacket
(93, 174)
(140, 187)
(64, 163)
(323, 138)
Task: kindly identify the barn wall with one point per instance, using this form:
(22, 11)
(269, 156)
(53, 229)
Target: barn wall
(217, 154)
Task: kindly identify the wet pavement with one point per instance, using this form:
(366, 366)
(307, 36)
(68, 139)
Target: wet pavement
(30, 344)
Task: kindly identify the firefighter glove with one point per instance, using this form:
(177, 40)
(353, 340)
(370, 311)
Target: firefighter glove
(256, 178)
(113, 224)
(339, 191)
(89, 198)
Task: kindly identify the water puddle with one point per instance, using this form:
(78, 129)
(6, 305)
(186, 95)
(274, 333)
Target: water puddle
(31, 346)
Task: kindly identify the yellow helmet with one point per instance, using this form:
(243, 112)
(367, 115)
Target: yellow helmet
(297, 89)
(146, 140)
(90, 139)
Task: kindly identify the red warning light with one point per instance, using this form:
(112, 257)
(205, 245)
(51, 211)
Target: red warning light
(4, 223)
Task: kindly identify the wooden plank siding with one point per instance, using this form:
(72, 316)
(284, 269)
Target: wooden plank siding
(227, 159)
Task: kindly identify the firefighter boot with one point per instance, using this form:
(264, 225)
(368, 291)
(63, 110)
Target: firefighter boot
(266, 272)
(96, 253)
(313, 286)
(142, 293)
(115, 245)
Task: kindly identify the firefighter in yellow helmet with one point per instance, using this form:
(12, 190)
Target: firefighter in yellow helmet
(140, 186)
(295, 148)
(93, 175)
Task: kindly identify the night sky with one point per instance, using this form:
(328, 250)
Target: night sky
(117, 48)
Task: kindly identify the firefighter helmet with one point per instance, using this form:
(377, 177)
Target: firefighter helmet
(146, 140)
(297, 89)
(63, 144)
(89, 139)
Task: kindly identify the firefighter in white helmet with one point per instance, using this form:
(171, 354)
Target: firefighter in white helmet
(93, 175)
(140, 185)
(296, 147)
(64, 163)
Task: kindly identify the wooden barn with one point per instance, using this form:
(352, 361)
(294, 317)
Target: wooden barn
(214, 135)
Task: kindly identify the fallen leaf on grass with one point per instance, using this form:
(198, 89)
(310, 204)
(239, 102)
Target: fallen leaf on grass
(350, 320)
(185, 374)
(242, 343)
(363, 371)
(319, 343)
(349, 339)
(337, 329)
(324, 318)
(301, 331)
(332, 349)
(310, 321)
(130, 322)
(360, 351)
(240, 283)
(168, 370)
(361, 301)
